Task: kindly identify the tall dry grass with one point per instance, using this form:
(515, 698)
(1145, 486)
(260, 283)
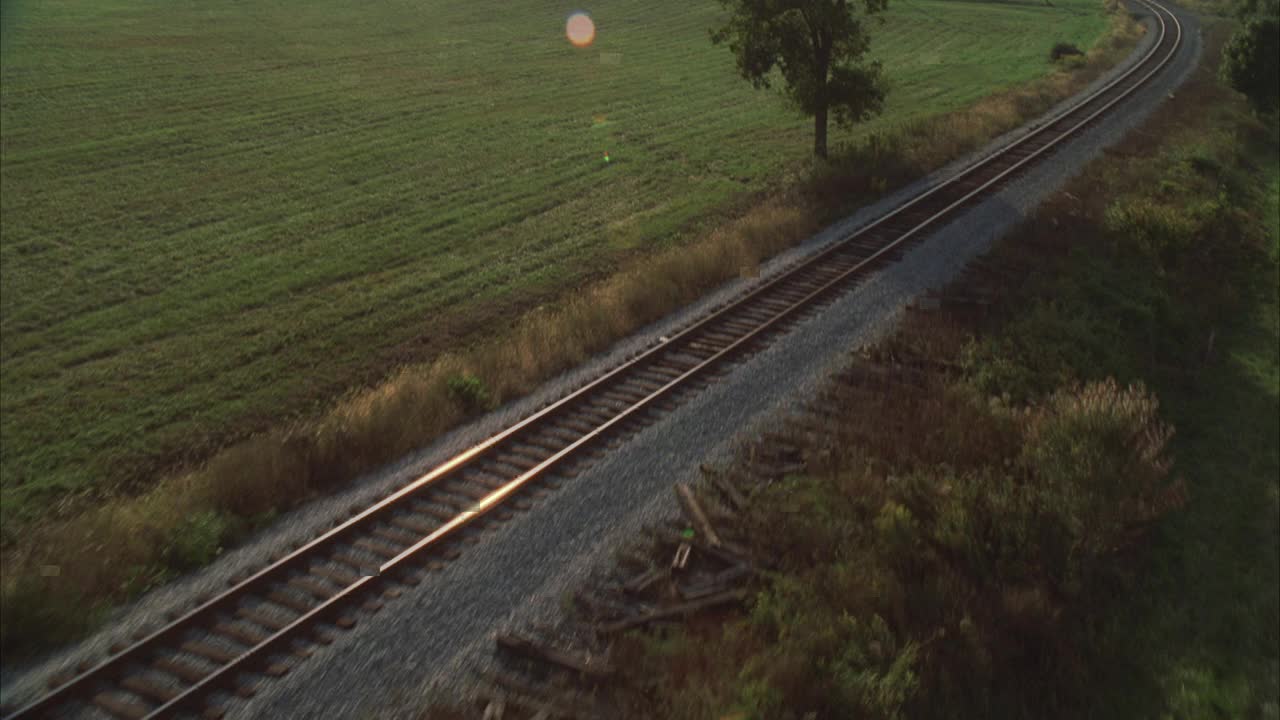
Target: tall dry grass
(59, 571)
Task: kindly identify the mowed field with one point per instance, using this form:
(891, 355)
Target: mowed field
(217, 215)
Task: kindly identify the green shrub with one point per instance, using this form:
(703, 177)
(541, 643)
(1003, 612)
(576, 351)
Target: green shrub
(1052, 343)
(824, 656)
(197, 541)
(35, 615)
(1098, 458)
(1073, 62)
(1064, 50)
(1250, 62)
(945, 592)
(1163, 232)
(469, 392)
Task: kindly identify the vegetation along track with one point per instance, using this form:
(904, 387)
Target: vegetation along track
(266, 623)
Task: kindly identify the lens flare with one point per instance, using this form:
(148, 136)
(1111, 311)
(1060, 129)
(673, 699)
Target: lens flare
(580, 30)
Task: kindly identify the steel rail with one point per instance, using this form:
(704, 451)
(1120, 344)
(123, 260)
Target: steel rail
(194, 694)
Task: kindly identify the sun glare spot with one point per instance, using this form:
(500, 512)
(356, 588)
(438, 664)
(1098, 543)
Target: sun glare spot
(580, 30)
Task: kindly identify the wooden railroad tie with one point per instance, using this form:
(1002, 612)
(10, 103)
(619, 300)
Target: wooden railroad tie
(681, 609)
(585, 666)
(693, 510)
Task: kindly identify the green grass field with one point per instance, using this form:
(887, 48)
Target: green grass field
(216, 216)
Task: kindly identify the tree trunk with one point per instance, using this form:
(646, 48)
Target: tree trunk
(820, 131)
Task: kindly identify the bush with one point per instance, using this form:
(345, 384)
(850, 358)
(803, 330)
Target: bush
(945, 592)
(197, 541)
(1062, 50)
(1097, 456)
(34, 615)
(469, 392)
(1251, 62)
(1073, 62)
(1162, 232)
(1051, 344)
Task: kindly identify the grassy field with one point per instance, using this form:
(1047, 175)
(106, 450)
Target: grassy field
(217, 216)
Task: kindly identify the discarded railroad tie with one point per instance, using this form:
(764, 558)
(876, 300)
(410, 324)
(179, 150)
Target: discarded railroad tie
(724, 598)
(693, 509)
(584, 665)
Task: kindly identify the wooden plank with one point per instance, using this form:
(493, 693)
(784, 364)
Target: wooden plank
(341, 577)
(180, 669)
(211, 652)
(642, 581)
(364, 566)
(728, 553)
(601, 607)
(722, 581)
(284, 599)
(529, 648)
(239, 634)
(376, 548)
(685, 608)
(143, 687)
(311, 587)
(414, 526)
(470, 491)
(511, 684)
(693, 509)
(396, 536)
(535, 704)
(495, 709)
(681, 557)
(726, 488)
(423, 507)
(128, 709)
(258, 617)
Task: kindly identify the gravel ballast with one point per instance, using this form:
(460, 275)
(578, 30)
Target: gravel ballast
(419, 646)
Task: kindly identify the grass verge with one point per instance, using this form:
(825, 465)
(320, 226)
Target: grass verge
(50, 580)
(1008, 541)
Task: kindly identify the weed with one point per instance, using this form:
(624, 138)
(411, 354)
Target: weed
(469, 392)
(197, 541)
(1063, 50)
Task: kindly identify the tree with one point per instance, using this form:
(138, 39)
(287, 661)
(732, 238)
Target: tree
(1251, 58)
(818, 47)
(1248, 8)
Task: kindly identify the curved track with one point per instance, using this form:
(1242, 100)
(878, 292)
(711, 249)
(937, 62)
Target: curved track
(265, 624)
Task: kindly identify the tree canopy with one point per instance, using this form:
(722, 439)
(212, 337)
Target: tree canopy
(1251, 58)
(818, 47)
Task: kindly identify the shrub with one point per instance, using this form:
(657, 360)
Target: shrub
(1062, 50)
(469, 392)
(1052, 343)
(1163, 232)
(1098, 453)
(945, 592)
(196, 541)
(1073, 63)
(33, 613)
(1251, 62)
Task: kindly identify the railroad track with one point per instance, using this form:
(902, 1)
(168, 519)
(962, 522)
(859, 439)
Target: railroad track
(269, 622)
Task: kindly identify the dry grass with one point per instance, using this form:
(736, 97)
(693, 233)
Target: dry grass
(275, 471)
